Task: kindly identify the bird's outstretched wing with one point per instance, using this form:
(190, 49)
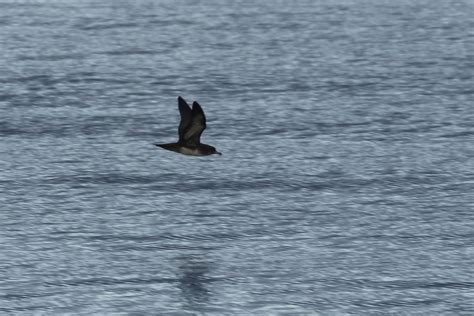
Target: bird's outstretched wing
(192, 133)
(186, 115)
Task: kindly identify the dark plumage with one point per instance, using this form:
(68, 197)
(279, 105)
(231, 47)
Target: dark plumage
(191, 126)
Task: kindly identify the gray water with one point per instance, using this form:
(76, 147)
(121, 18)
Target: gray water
(345, 185)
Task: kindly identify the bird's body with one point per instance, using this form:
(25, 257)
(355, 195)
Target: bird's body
(200, 150)
(191, 126)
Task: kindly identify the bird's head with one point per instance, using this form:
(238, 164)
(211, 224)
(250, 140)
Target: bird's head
(210, 150)
(214, 151)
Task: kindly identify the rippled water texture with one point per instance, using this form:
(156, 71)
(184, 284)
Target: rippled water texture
(345, 185)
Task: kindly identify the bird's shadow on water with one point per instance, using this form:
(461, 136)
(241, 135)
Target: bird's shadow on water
(193, 281)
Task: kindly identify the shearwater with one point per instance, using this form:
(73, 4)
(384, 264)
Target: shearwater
(191, 126)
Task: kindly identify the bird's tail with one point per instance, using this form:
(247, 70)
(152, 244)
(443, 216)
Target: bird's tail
(172, 146)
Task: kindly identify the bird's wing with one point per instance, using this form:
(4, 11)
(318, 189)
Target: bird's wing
(186, 115)
(193, 131)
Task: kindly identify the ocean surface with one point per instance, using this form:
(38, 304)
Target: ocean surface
(346, 184)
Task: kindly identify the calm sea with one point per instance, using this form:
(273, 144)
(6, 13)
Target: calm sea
(346, 184)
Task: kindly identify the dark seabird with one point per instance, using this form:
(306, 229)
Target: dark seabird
(193, 123)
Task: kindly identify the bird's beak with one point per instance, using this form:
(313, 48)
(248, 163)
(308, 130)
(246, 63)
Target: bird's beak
(218, 153)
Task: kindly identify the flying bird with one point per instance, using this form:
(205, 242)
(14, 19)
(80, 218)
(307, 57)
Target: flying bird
(191, 126)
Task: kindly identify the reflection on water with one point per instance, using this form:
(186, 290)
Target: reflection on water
(193, 281)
